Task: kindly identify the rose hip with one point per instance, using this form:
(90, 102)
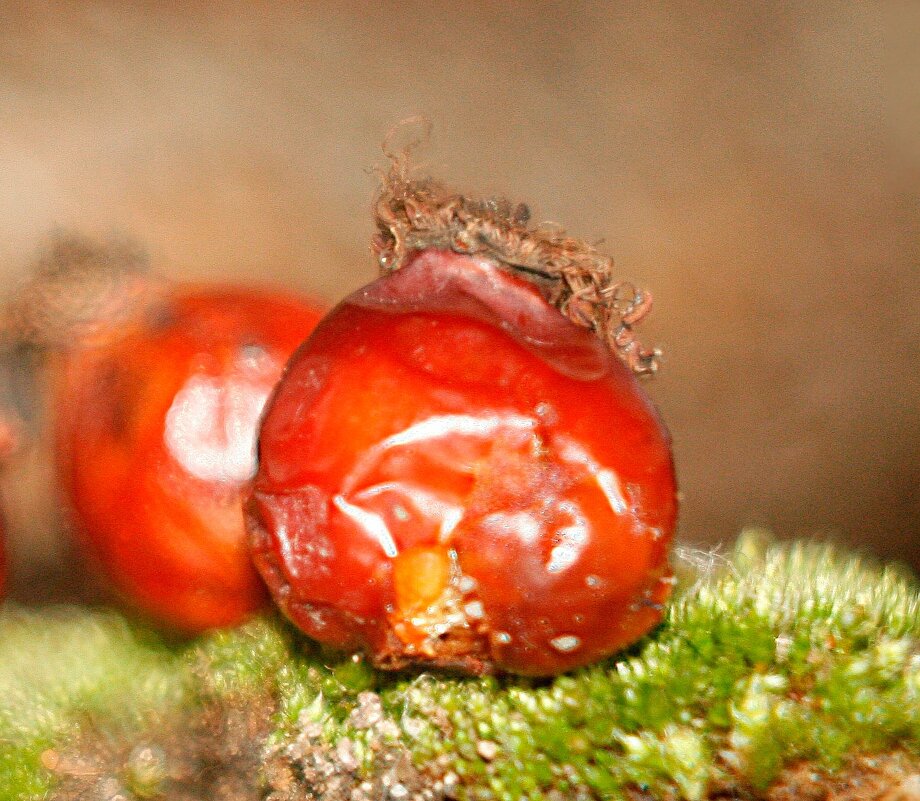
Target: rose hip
(2, 554)
(453, 473)
(9, 442)
(155, 427)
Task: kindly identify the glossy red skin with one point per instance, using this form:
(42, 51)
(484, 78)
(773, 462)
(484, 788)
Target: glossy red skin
(9, 439)
(452, 387)
(2, 555)
(155, 432)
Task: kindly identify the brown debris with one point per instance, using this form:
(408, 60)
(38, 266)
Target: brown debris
(214, 756)
(221, 754)
(413, 214)
(887, 777)
(309, 769)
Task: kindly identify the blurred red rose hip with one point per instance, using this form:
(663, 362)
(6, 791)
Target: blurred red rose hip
(454, 473)
(2, 554)
(9, 440)
(155, 424)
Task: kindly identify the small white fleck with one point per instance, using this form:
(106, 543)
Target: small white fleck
(317, 618)
(565, 643)
(400, 513)
(501, 637)
(413, 727)
(398, 791)
(592, 580)
(546, 412)
(474, 610)
(783, 647)
(466, 584)
(487, 749)
(346, 754)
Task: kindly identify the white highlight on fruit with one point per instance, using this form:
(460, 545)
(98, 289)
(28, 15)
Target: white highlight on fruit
(606, 479)
(572, 539)
(434, 428)
(444, 425)
(372, 524)
(522, 525)
(211, 427)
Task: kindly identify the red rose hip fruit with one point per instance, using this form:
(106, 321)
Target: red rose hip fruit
(155, 426)
(453, 473)
(2, 555)
(10, 439)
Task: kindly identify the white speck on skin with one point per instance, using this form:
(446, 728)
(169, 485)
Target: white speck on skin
(565, 643)
(474, 610)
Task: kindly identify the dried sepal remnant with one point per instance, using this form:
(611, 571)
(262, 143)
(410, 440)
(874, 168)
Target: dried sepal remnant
(79, 287)
(413, 214)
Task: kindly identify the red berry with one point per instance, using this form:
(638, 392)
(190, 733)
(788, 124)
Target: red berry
(451, 472)
(155, 431)
(2, 555)
(9, 440)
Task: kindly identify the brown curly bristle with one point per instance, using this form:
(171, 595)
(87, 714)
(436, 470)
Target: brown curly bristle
(412, 214)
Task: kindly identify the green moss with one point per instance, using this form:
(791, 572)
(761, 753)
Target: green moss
(783, 652)
(63, 669)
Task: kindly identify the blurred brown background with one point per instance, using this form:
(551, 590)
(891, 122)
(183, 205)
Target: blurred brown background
(755, 164)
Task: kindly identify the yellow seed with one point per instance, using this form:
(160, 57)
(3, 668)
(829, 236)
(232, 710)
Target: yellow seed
(420, 576)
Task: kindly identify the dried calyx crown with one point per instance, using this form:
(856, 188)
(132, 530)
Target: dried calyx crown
(417, 213)
(78, 288)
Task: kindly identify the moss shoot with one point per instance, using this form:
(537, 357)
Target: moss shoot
(778, 655)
